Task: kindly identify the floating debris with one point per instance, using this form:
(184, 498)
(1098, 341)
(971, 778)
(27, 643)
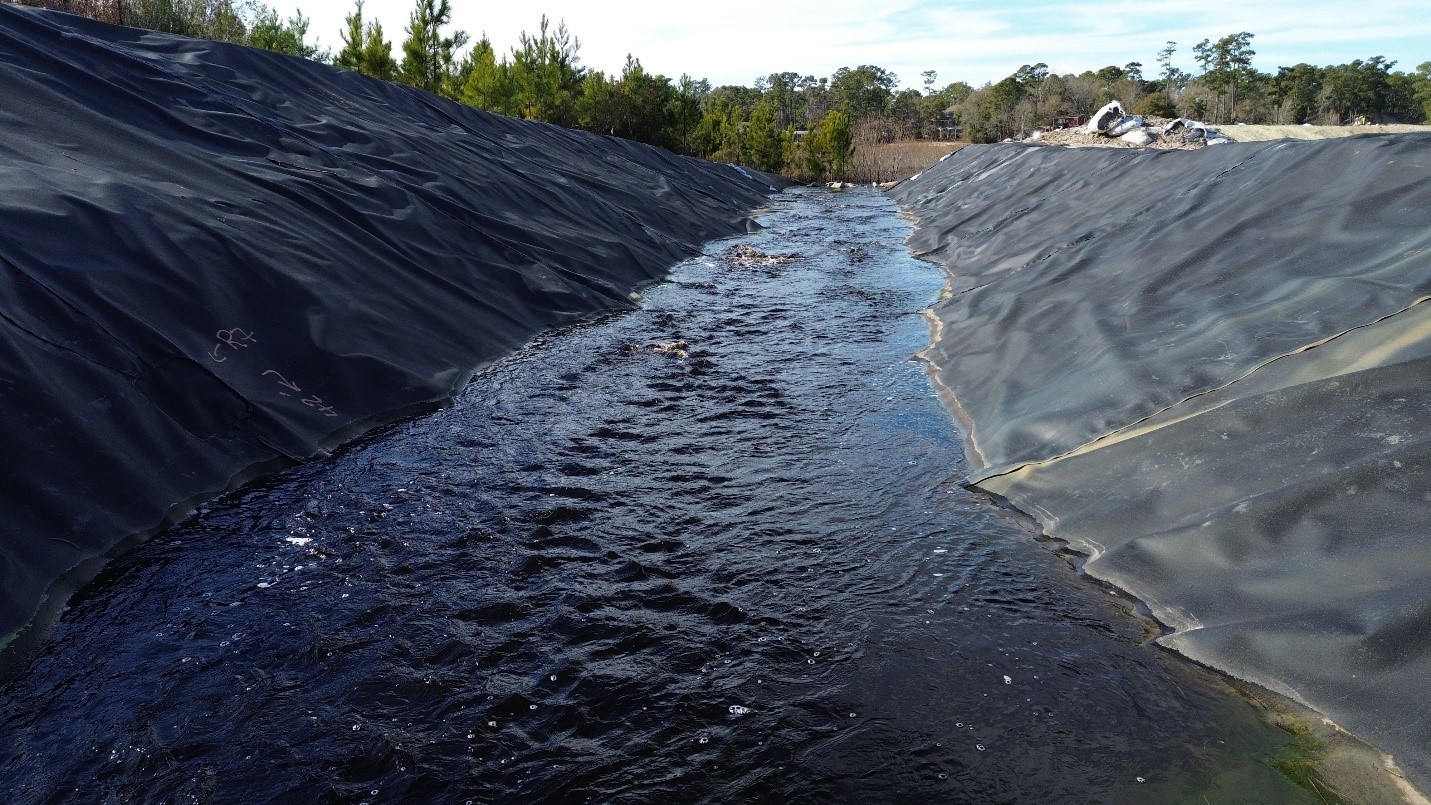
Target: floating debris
(743, 255)
(676, 349)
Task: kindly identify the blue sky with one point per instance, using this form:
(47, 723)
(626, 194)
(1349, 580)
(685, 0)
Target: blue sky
(734, 41)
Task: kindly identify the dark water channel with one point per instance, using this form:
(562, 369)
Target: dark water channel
(613, 572)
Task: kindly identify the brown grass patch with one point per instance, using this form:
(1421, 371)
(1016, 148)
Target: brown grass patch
(891, 162)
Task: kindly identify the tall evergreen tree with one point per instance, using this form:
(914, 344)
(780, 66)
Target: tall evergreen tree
(764, 137)
(545, 76)
(427, 55)
(839, 135)
(488, 82)
(269, 33)
(734, 145)
(864, 91)
(708, 135)
(364, 49)
(1227, 65)
(646, 105)
(1421, 89)
(783, 92)
(1360, 89)
(596, 109)
(685, 112)
(1297, 91)
(831, 144)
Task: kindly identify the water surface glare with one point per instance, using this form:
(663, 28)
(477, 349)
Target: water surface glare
(710, 550)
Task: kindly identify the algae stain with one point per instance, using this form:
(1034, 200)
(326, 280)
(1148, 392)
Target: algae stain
(1301, 760)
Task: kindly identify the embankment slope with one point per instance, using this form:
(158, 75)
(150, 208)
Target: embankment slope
(215, 259)
(1211, 371)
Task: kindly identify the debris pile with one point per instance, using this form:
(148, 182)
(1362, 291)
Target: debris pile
(1194, 131)
(1111, 126)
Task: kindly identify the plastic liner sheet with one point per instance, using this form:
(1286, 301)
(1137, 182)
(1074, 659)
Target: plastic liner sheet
(1211, 371)
(214, 259)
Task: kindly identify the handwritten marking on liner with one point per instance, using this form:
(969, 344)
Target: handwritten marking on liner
(237, 338)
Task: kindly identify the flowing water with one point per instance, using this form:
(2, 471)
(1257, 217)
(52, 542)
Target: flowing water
(713, 550)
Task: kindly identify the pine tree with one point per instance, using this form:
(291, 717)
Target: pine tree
(289, 37)
(427, 54)
(545, 76)
(765, 153)
(364, 49)
(489, 83)
(829, 147)
(734, 145)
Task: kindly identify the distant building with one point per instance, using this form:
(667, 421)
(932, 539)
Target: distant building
(946, 126)
(1069, 121)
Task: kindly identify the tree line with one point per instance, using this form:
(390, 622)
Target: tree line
(541, 78)
(1226, 89)
(804, 126)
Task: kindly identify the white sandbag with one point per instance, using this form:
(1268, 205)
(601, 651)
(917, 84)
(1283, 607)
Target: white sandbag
(1105, 117)
(1125, 124)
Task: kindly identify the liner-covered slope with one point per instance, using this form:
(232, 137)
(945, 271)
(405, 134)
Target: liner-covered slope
(1209, 370)
(214, 258)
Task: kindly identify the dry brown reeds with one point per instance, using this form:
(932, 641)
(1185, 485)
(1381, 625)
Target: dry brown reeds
(891, 162)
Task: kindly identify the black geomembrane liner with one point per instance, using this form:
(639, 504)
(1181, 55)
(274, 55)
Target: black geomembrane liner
(1210, 370)
(214, 258)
